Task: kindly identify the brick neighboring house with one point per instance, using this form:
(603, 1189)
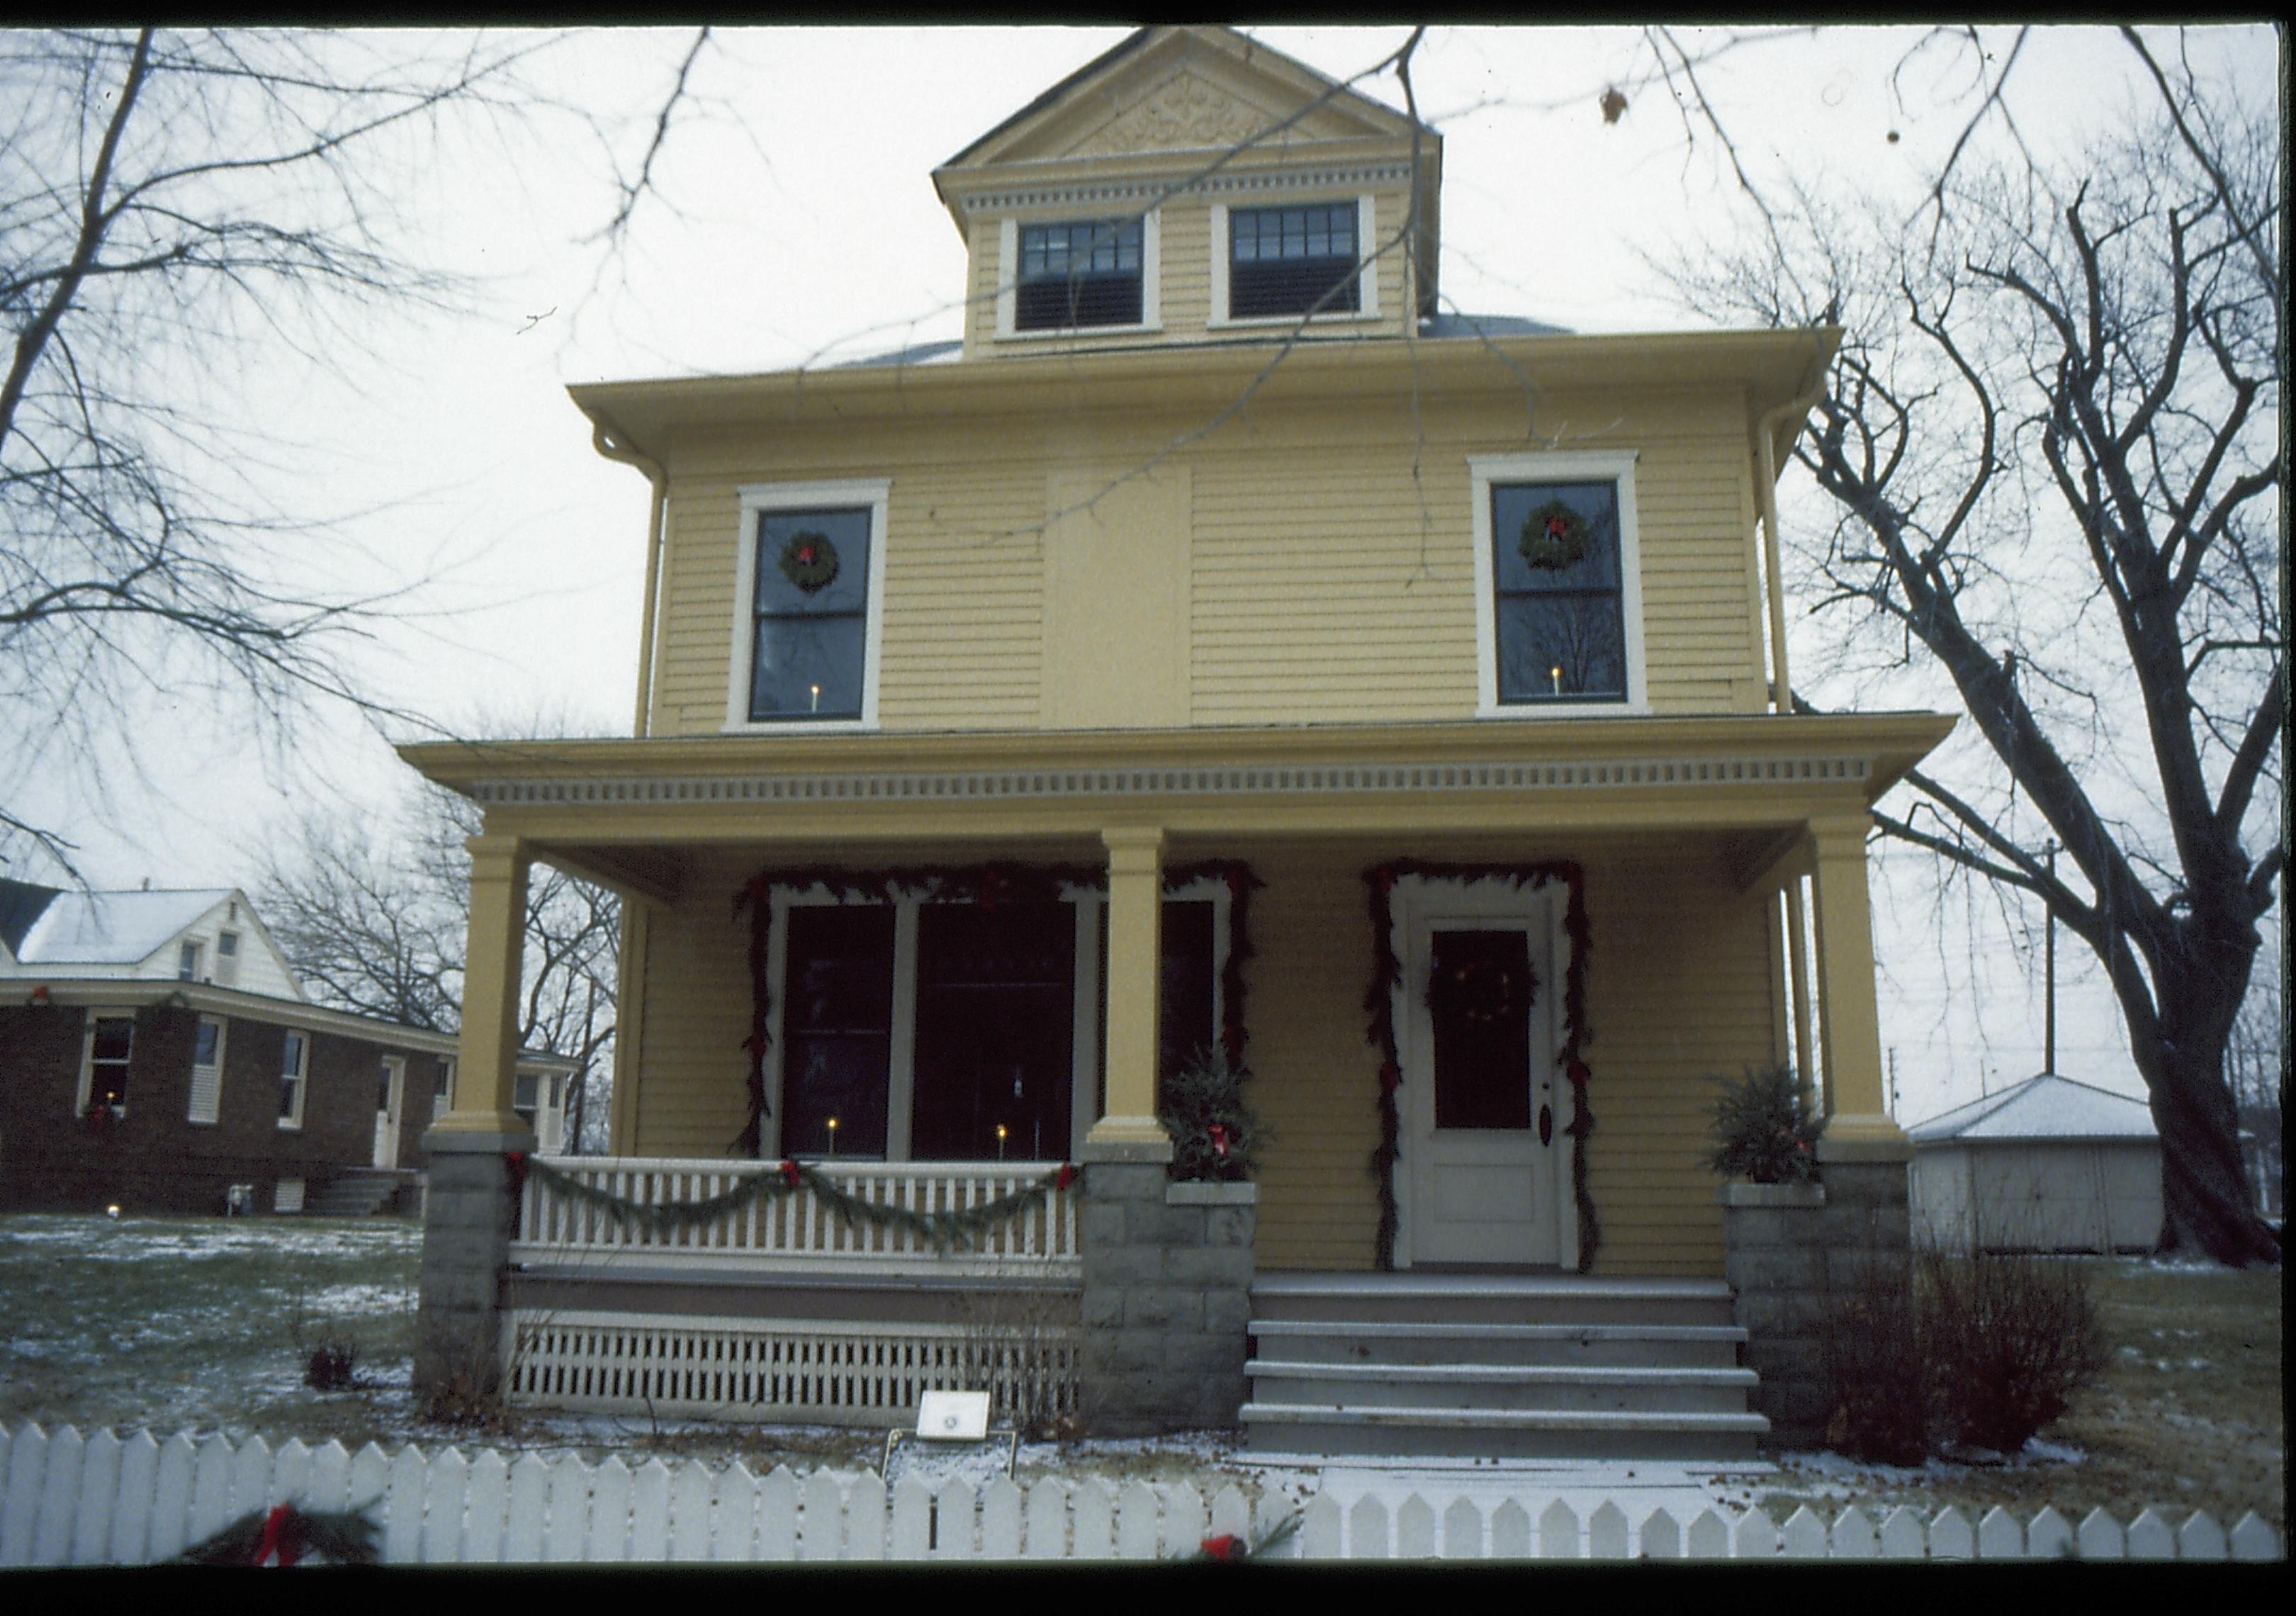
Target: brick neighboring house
(156, 1051)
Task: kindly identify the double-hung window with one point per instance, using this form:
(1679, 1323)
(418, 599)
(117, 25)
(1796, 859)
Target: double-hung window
(1558, 585)
(1076, 275)
(188, 962)
(105, 1057)
(294, 1074)
(207, 1069)
(809, 596)
(1304, 261)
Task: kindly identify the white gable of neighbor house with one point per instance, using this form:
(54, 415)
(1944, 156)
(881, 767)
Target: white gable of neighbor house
(139, 937)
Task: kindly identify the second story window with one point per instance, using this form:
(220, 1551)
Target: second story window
(188, 962)
(1560, 605)
(811, 590)
(1292, 261)
(1078, 275)
(812, 607)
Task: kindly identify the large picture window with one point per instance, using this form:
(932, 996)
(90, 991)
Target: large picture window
(1559, 596)
(810, 592)
(962, 1031)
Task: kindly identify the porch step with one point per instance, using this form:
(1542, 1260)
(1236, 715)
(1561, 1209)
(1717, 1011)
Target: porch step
(1498, 1366)
(363, 1193)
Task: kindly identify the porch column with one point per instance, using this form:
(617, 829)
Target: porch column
(470, 1203)
(1135, 903)
(1858, 1125)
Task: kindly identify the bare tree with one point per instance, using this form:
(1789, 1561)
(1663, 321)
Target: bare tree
(175, 207)
(381, 929)
(2049, 450)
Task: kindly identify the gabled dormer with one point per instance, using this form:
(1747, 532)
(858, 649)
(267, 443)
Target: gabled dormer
(1192, 186)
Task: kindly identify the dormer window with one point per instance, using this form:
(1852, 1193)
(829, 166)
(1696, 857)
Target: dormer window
(188, 962)
(1291, 261)
(1078, 275)
(1302, 261)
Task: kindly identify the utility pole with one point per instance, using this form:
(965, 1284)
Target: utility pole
(2049, 978)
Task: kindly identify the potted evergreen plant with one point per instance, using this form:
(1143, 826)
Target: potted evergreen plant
(1766, 1132)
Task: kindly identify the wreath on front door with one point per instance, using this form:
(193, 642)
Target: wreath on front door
(810, 561)
(1554, 536)
(1486, 992)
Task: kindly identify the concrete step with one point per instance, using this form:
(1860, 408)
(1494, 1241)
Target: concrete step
(1393, 1341)
(1389, 1430)
(357, 1193)
(1490, 1300)
(1500, 1386)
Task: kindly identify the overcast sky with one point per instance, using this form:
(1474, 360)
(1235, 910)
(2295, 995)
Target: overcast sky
(795, 223)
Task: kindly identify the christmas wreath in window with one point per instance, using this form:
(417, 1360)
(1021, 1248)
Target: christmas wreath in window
(810, 561)
(1554, 536)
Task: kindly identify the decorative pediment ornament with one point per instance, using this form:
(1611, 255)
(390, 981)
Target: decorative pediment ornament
(1184, 112)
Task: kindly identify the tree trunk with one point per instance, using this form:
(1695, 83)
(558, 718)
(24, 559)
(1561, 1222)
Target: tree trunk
(2205, 1201)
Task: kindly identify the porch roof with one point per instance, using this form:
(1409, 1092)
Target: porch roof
(1756, 775)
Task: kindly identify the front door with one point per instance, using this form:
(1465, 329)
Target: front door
(389, 1096)
(1485, 1154)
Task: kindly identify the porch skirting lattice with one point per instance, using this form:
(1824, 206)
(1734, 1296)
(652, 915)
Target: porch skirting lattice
(814, 1371)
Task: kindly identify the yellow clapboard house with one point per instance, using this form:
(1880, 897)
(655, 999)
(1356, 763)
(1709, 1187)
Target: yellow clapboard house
(1221, 653)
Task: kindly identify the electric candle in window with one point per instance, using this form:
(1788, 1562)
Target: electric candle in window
(816, 698)
(1000, 1142)
(1556, 675)
(832, 1137)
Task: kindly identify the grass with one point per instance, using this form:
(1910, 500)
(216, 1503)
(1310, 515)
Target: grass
(2189, 1416)
(206, 1324)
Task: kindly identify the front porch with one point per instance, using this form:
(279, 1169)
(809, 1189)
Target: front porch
(817, 953)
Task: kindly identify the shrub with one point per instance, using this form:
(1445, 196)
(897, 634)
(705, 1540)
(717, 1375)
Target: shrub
(1215, 1134)
(332, 1363)
(1877, 1382)
(1765, 1130)
(1941, 1351)
(2010, 1340)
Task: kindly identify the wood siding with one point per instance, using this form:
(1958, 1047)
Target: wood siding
(1679, 987)
(1331, 568)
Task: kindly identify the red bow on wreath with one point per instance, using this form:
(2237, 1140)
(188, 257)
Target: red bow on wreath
(1064, 1177)
(792, 1175)
(1219, 1139)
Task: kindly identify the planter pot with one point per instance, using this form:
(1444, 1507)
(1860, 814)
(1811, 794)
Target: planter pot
(1774, 1195)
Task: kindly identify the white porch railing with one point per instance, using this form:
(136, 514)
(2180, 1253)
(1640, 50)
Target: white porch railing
(797, 1231)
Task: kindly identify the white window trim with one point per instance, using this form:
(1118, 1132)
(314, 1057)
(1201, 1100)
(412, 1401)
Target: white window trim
(301, 1073)
(1085, 1045)
(757, 500)
(86, 1093)
(190, 953)
(214, 1110)
(1616, 466)
(1008, 283)
(1366, 268)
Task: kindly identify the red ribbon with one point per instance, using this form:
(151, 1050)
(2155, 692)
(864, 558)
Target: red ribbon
(276, 1546)
(1390, 1077)
(1064, 1177)
(791, 1174)
(1220, 1138)
(1222, 1548)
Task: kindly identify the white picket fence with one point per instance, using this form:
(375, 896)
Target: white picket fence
(105, 1500)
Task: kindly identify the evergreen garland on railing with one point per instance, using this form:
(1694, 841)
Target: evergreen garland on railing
(1386, 972)
(961, 1226)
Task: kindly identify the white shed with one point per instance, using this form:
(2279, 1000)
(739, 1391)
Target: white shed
(2046, 1165)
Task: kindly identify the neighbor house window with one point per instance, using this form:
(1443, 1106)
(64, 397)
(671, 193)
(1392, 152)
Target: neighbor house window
(1558, 586)
(811, 593)
(1288, 263)
(442, 1098)
(188, 962)
(207, 1070)
(294, 1072)
(227, 958)
(111, 1045)
(1078, 275)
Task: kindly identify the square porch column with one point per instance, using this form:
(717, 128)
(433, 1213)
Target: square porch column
(1859, 1125)
(1136, 910)
(470, 1201)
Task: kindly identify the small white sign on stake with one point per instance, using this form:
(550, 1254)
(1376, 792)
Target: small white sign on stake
(953, 1417)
